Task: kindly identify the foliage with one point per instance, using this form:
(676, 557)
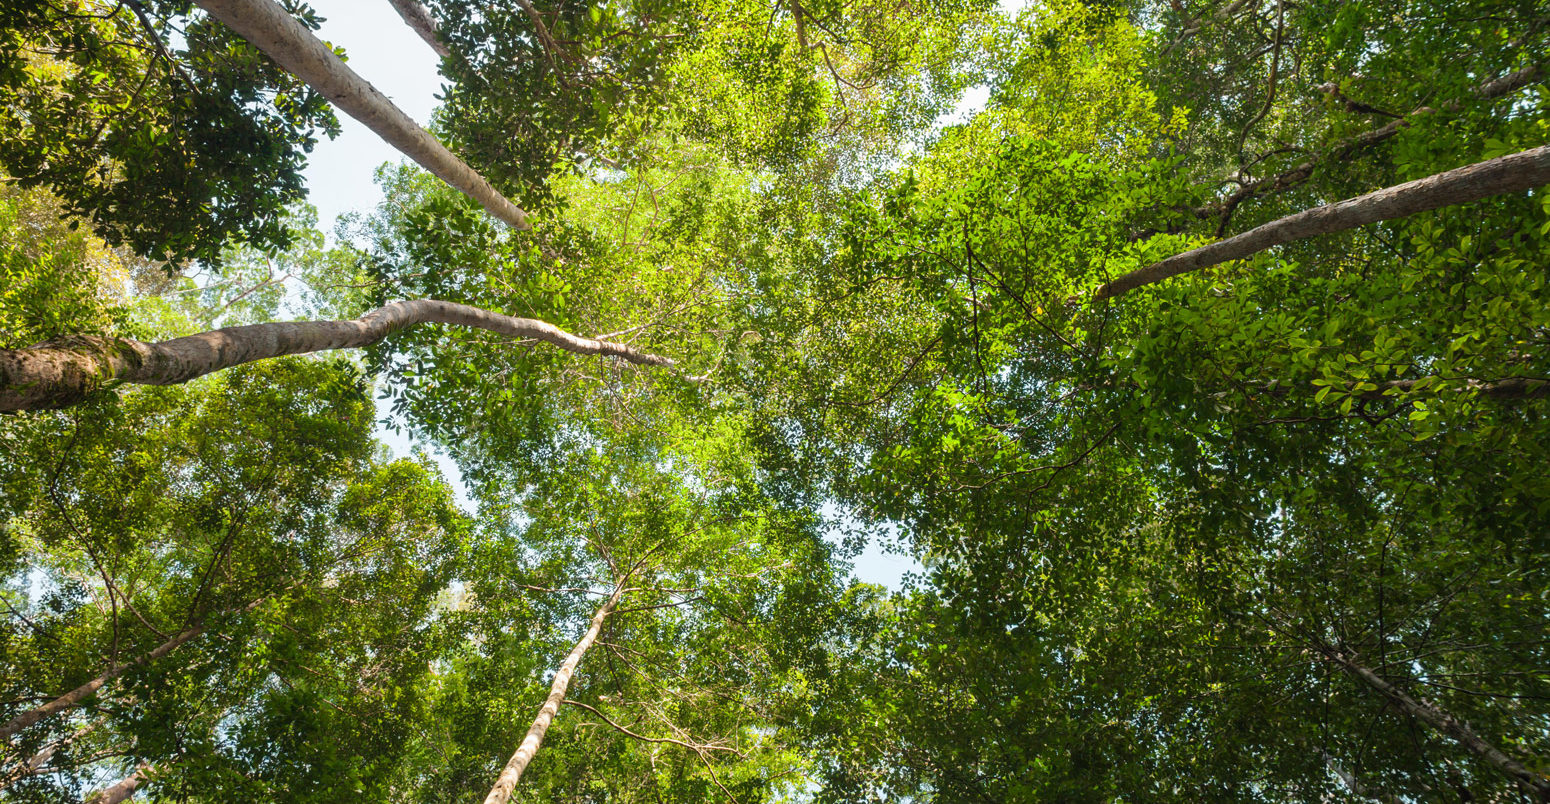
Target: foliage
(167, 131)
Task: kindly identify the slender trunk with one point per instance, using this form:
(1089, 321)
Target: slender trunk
(60, 373)
(419, 19)
(1507, 174)
(293, 47)
(74, 697)
(535, 734)
(1354, 784)
(1445, 723)
(30, 765)
(124, 790)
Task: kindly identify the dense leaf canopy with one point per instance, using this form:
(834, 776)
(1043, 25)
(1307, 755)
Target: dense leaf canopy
(1275, 530)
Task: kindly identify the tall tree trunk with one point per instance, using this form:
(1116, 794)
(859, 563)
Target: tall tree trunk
(507, 781)
(74, 697)
(30, 765)
(1506, 174)
(419, 19)
(59, 373)
(292, 46)
(1443, 722)
(124, 790)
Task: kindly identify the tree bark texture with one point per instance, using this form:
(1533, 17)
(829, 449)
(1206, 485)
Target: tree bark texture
(419, 19)
(1507, 174)
(265, 24)
(124, 790)
(74, 697)
(31, 765)
(507, 781)
(61, 372)
(1445, 723)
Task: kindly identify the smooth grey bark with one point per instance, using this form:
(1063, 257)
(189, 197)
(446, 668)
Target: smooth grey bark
(31, 765)
(1443, 722)
(61, 372)
(124, 790)
(74, 697)
(1506, 174)
(501, 792)
(265, 24)
(419, 19)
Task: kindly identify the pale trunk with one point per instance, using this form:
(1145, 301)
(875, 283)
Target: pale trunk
(271, 29)
(74, 697)
(30, 765)
(124, 790)
(60, 373)
(1445, 723)
(535, 734)
(419, 19)
(1507, 174)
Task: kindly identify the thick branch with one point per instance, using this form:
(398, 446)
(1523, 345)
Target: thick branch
(124, 790)
(1443, 722)
(293, 47)
(507, 781)
(1507, 174)
(74, 697)
(419, 19)
(59, 373)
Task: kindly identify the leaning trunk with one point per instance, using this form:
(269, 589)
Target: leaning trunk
(124, 790)
(535, 734)
(74, 697)
(1456, 729)
(1506, 174)
(60, 373)
(293, 47)
(419, 19)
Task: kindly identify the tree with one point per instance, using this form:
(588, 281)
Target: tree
(167, 133)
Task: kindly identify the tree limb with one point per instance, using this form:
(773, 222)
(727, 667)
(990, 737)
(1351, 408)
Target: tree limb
(59, 373)
(1507, 174)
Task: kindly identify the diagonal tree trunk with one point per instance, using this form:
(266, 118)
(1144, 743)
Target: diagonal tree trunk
(124, 790)
(507, 781)
(1507, 174)
(74, 697)
(265, 24)
(60, 373)
(1452, 727)
(419, 19)
(31, 765)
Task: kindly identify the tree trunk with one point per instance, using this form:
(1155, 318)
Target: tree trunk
(124, 790)
(1507, 174)
(419, 19)
(501, 793)
(30, 765)
(265, 24)
(1445, 723)
(74, 697)
(60, 373)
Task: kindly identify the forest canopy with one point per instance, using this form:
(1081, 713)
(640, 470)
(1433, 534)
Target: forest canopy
(1203, 371)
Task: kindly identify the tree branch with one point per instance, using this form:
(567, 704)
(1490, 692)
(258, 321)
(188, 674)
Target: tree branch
(61, 372)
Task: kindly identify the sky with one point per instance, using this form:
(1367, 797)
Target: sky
(384, 51)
